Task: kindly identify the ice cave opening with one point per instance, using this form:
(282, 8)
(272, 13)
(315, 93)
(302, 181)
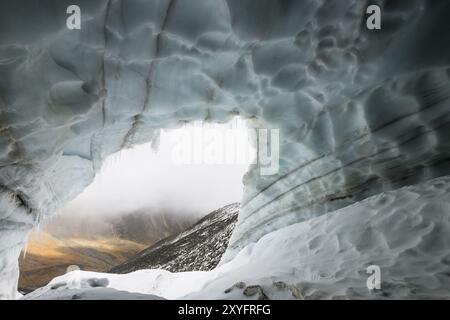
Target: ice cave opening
(142, 195)
(360, 117)
(193, 169)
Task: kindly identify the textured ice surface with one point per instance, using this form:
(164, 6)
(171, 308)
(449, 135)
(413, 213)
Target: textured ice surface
(405, 232)
(359, 111)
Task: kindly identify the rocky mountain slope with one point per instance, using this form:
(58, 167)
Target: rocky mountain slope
(196, 249)
(146, 225)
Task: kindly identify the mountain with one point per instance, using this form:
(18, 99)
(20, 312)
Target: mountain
(198, 248)
(48, 256)
(93, 243)
(145, 226)
(149, 227)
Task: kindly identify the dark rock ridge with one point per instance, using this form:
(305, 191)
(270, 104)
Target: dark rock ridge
(148, 227)
(199, 248)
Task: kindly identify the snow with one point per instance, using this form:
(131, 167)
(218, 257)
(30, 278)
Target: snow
(360, 112)
(199, 248)
(405, 232)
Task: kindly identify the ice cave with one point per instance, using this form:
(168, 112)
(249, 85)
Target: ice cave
(363, 118)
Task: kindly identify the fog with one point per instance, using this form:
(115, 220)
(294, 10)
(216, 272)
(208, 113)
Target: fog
(195, 170)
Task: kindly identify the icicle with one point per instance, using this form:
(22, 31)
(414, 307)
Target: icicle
(25, 249)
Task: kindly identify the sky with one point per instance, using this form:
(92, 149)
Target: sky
(195, 170)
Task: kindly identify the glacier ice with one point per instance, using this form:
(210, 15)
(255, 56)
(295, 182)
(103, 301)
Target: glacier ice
(360, 111)
(404, 232)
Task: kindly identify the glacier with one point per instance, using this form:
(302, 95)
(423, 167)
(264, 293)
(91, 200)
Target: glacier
(361, 113)
(404, 232)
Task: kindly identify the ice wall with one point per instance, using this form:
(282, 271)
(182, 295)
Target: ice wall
(359, 111)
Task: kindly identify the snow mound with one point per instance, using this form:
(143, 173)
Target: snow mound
(405, 232)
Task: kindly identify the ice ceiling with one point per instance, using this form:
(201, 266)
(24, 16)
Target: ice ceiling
(360, 111)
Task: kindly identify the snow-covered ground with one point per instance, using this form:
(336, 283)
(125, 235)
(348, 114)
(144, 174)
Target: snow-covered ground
(405, 232)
